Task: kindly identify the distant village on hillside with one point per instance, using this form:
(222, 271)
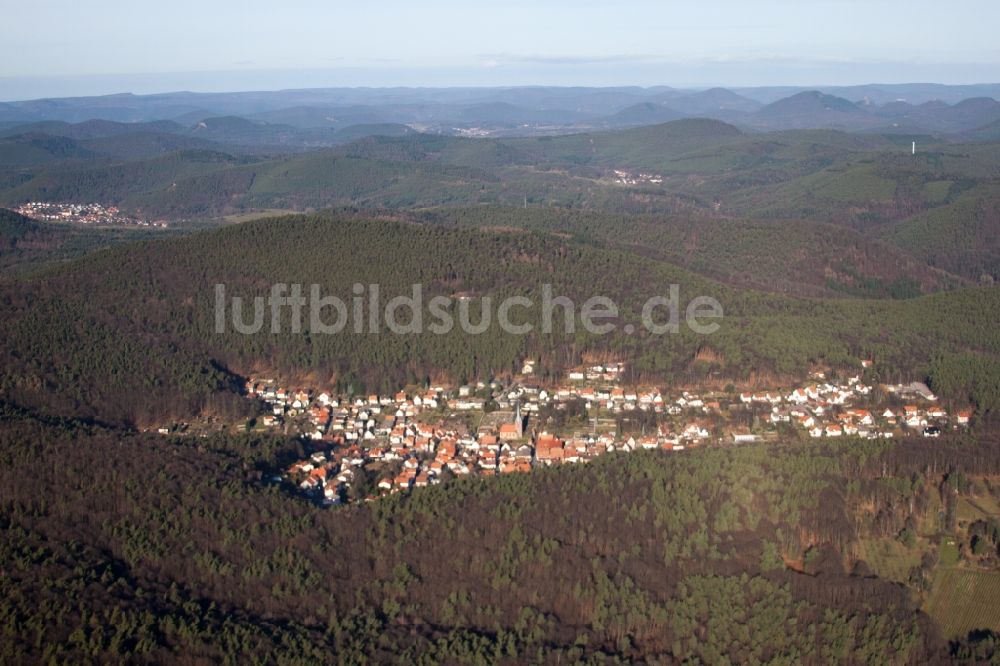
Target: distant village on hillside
(363, 447)
(88, 213)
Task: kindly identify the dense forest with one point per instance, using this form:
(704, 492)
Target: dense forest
(150, 548)
(817, 259)
(129, 332)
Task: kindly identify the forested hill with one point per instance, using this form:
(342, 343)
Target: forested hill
(14, 227)
(127, 334)
(716, 555)
(784, 256)
(924, 221)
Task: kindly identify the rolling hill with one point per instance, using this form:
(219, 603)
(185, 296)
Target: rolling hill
(812, 109)
(153, 296)
(713, 101)
(504, 113)
(988, 132)
(35, 149)
(644, 113)
(816, 259)
(94, 129)
(640, 147)
(960, 237)
(707, 171)
(136, 140)
(940, 117)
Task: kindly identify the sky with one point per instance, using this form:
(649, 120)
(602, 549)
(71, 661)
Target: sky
(69, 47)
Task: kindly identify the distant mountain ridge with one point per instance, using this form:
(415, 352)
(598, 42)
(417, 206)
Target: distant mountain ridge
(939, 108)
(812, 109)
(712, 100)
(37, 143)
(645, 113)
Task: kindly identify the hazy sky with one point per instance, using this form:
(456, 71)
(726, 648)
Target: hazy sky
(63, 47)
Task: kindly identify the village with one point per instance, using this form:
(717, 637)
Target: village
(361, 447)
(89, 213)
(625, 177)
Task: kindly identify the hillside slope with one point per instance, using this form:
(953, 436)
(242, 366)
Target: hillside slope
(960, 237)
(782, 256)
(137, 321)
(630, 557)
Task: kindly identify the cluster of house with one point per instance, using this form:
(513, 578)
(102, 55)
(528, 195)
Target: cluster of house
(89, 213)
(832, 409)
(417, 455)
(389, 436)
(410, 440)
(472, 132)
(623, 177)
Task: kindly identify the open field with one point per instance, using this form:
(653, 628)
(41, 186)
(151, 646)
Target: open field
(963, 600)
(889, 558)
(948, 552)
(983, 507)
